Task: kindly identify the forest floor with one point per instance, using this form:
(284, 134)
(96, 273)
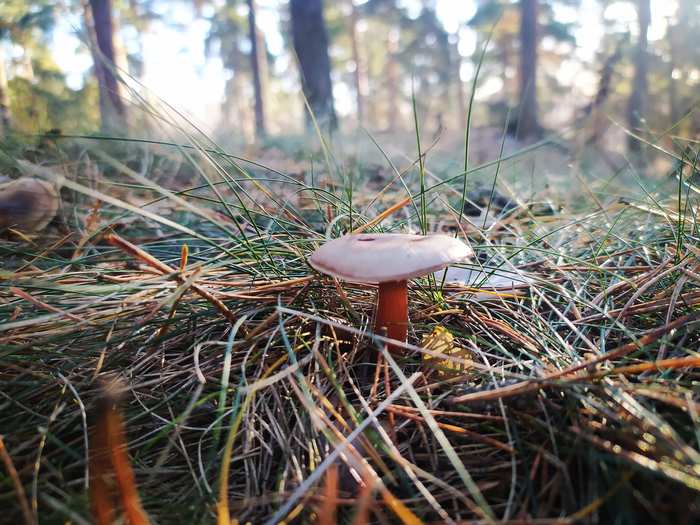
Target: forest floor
(175, 286)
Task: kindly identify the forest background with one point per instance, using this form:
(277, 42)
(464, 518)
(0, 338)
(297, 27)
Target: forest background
(235, 68)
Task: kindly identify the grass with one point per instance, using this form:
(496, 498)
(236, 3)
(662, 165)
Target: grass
(253, 388)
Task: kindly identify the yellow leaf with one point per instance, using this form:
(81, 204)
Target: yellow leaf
(441, 340)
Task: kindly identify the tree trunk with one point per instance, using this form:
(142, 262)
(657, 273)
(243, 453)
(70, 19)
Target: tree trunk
(112, 109)
(359, 72)
(311, 47)
(673, 109)
(392, 79)
(260, 131)
(528, 125)
(599, 121)
(264, 69)
(505, 64)
(460, 92)
(637, 102)
(5, 119)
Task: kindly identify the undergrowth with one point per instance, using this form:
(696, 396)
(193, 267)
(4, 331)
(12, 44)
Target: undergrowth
(573, 399)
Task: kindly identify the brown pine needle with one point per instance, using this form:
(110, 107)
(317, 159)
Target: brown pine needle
(112, 479)
(664, 364)
(399, 508)
(148, 259)
(17, 483)
(126, 482)
(527, 386)
(102, 501)
(327, 509)
(362, 507)
(36, 302)
(184, 254)
(383, 215)
(458, 430)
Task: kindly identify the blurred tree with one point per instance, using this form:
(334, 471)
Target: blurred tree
(638, 97)
(519, 30)
(682, 73)
(598, 121)
(139, 15)
(234, 36)
(344, 22)
(358, 72)
(400, 46)
(5, 119)
(311, 46)
(255, 68)
(426, 55)
(100, 23)
(528, 120)
(18, 21)
(364, 39)
(666, 69)
(228, 37)
(373, 57)
(672, 41)
(35, 92)
(499, 58)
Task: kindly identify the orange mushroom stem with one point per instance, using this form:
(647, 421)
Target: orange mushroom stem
(392, 311)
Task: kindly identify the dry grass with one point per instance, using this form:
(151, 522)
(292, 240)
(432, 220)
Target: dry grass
(255, 390)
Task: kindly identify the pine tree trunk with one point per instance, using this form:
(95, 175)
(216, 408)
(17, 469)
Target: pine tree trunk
(392, 80)
(505, 64)
(311, 46)
(599, 119)
(264, 69)
(673, 109)
(260, 131)
(112, 109)
(359, 72)
(460, 93)
(5, 119)
(528, 125)
(637, 101)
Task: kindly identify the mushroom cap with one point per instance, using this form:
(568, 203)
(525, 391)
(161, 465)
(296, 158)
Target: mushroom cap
(384, 257)
(28, 204)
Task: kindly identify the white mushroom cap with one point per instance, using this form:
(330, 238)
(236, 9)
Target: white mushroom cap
(385, 257)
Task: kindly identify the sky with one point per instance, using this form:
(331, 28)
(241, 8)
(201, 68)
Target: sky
(177, 70)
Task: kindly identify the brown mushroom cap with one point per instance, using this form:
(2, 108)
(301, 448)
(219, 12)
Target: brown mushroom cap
(28, 204)
(384, 257)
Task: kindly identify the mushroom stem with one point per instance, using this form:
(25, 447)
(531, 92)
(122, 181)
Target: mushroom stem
(392, 311)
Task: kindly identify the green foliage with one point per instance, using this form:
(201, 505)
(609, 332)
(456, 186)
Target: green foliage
(228, 36)
(37, 108)
(46, 102)
(41, 99)
(21, 18)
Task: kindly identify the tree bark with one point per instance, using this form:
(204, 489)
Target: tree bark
(599, 122)
(5, 119)
(508, 90)
(392, 79)
(260, 131)
(358, 75)
(673, 109)
(112, 109)
(311, 46)
(528, 124)
(460, 92)
(638, 99)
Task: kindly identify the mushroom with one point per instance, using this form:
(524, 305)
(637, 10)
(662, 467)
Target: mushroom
(28, 204)
(389, 260)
